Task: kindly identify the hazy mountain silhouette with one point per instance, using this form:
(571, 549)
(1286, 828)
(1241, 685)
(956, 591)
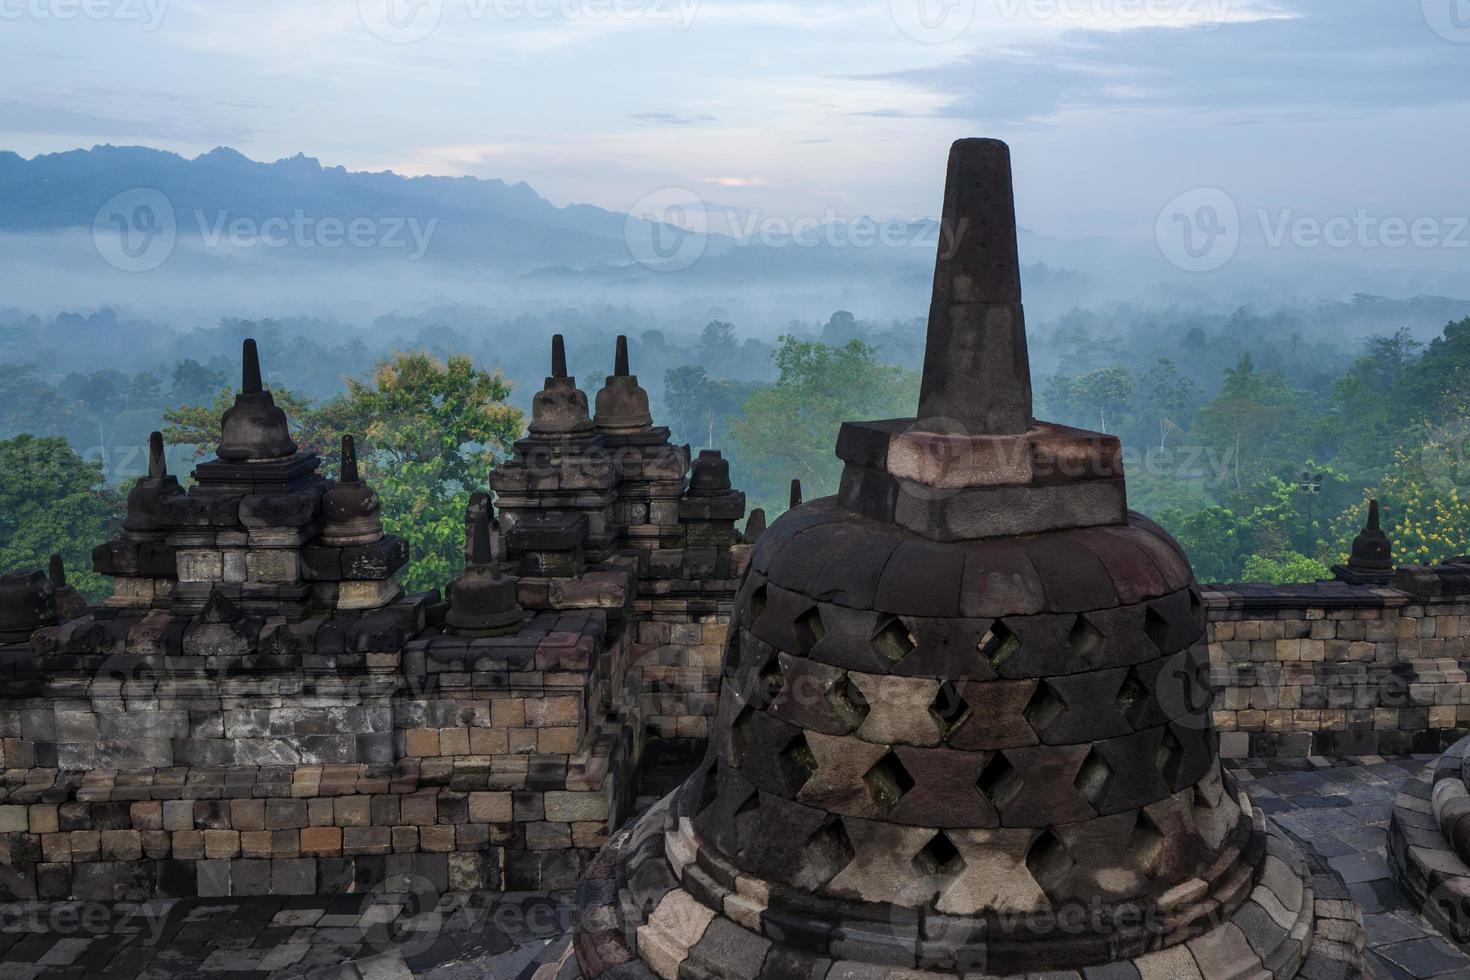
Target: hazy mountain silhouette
(479, 221)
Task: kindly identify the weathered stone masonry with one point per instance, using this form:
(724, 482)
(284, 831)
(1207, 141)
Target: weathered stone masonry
(258, 708)
(1341, 669)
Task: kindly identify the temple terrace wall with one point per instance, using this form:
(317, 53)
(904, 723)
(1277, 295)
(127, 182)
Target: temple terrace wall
(1340, 669)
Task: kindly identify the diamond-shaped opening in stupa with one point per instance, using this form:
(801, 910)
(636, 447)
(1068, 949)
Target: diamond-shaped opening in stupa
(888, 781)
(999, 781)
(949, 707)
(999, 644)
(893, 640)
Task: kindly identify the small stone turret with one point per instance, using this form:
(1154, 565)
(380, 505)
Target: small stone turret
(350, 507)
(27, 603)
(711, 507)
(755, 526)
(254, 429)
(147, 499)
(482, 601)
(560, 407)
(69, 602)
(1371, 560)
(711, 474)
(622, 404)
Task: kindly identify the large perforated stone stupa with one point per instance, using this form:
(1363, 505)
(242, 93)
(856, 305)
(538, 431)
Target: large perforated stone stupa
(963, 727)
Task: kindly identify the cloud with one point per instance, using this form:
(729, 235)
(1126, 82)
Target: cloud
(99, 114)
(1343, 56)
(734, 181)
(670, 119)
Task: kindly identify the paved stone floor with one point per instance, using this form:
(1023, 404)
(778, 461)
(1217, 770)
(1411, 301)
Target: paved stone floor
(1340, 808)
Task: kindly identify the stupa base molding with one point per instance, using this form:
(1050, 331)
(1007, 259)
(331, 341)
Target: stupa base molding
(1429, 843)
(658, 903)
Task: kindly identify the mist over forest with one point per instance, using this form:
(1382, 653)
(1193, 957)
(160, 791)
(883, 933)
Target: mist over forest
(1226, 389)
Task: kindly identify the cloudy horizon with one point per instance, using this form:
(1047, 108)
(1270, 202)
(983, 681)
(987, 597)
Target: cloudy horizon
(1341, 111)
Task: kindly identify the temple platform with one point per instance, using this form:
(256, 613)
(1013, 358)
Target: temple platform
(1338, 808)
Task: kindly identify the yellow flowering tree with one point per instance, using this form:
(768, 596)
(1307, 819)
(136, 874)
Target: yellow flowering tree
(1424, 512)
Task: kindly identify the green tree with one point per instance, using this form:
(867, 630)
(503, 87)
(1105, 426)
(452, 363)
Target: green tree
(1288, 569)
(192, 382)
(428, 434)
(717, 344)
(788, 429)
(54, 502)
(1166, 397)
(1253, 417)
(701, 407)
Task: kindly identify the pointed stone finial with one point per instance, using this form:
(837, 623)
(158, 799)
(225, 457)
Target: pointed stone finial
(795, 494)
(254, 429)
(560, 408)
(349, 461)
(620, 362)
(977, 371)
(56, 572)
(755, 526)
(250, 383)
(157, 460)
(622, 404)
(1371, 559)
(351, 510)
(481, 551)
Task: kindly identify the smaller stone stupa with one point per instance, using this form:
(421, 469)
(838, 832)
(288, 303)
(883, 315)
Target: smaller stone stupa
(1371, 560)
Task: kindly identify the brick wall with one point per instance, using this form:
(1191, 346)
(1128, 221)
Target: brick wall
(1337, 669)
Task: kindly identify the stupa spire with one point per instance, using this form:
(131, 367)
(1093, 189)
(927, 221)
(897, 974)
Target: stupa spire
(620, 359)
(250, 381)
(157, 459)
(977, 371)
(349, 460)
(558, 356)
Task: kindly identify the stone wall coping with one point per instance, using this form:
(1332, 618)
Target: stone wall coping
(1317, 595)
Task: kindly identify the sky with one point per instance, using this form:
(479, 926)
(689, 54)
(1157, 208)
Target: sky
(1124, 115)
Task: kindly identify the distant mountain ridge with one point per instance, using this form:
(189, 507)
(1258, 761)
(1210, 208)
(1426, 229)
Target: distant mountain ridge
(479, 220)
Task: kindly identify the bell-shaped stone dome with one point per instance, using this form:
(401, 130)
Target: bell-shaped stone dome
(622, 404)
(1371, 559)
(254, 429)
(27, 603)
(482, 600)
(710, 475)
(560, 407)
(147, 498)
(351, 511)
(964, 722)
